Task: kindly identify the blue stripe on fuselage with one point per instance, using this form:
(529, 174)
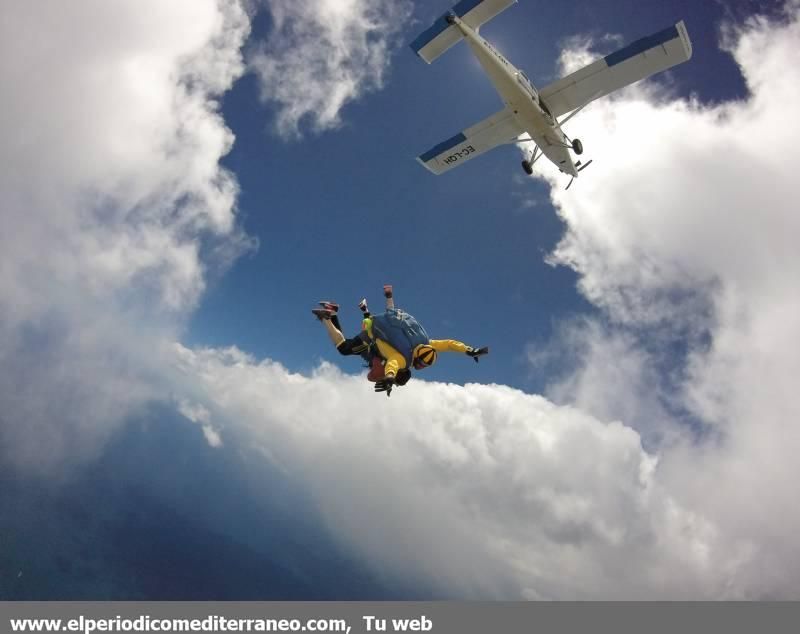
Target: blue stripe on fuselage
(444, 145)
(424, 38)
(640, 46)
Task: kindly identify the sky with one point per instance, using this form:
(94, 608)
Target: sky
(184, 181)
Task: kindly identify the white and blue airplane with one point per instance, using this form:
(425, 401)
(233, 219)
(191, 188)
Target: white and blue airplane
(526, 109)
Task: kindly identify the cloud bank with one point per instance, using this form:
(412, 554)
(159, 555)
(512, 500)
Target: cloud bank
(114, 205)
(683, 233)
(483, 490)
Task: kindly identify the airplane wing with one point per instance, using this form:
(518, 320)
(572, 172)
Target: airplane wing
(636, 61)
(496, 130)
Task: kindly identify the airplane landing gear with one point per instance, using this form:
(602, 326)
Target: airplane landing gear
(535, 156)
(577, 146)
(450, 18)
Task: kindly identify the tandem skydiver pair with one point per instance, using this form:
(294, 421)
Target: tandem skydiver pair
(391, 343)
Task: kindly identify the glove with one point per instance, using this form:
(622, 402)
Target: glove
(387, 291)
(477, 352)
(385, 385)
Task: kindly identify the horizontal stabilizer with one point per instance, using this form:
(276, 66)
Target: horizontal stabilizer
(636, 61)
(500, 128)
(441, 36)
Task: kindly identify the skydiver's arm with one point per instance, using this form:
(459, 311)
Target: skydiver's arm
(450, 345)
(394, 360)
(388, 293)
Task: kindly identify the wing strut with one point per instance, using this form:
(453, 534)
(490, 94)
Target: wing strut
(580, 169)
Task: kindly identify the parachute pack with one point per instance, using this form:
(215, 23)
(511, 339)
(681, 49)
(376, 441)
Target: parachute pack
(400, 330)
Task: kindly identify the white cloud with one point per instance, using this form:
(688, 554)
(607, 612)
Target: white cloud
(114, 204)
(605, 357)
(482, 490)
(212, 436)
(684, 232)
(200, 415)
(194, 412)
(322, 54)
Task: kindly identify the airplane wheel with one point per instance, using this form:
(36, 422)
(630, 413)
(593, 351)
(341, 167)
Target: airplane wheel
(450, 19)
(577, 146)
(527, 167)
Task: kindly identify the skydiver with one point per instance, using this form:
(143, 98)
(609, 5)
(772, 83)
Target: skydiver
(401, 341)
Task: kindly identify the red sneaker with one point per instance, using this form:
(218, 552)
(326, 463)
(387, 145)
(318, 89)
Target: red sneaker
(322, 313)
(331, 306)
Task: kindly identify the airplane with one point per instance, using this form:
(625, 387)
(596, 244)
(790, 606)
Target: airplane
(532, 111)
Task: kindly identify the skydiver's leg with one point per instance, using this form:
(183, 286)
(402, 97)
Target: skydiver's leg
(333, 332)
(354, 345)
(389, 295)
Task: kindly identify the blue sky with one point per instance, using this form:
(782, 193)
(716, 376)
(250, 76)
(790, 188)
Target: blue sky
(185, 180)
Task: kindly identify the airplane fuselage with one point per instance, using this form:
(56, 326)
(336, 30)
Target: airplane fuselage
(520, 95)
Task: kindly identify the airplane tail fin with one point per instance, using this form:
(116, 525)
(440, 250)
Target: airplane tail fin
(441, 35)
